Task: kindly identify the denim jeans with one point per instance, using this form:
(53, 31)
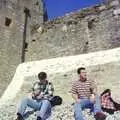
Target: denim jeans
(43, 107)
(86, 103)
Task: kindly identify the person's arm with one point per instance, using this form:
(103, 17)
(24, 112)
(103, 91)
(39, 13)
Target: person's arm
(74, 93)
(75, 97)
(36, 93)
(93, 88)
(49, 90)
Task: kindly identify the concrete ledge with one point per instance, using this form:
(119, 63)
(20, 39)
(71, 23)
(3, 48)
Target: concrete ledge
(56, 65)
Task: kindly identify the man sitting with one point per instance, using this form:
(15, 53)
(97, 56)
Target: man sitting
(39, 100)
(84, 93)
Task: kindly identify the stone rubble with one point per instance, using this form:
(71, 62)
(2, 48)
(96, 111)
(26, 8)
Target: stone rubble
(63, 112)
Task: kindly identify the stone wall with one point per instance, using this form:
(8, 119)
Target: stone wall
(12, 19)
(92, 29)
(10, 42)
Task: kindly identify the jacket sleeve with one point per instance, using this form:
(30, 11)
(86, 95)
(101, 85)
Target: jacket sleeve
(49, 90)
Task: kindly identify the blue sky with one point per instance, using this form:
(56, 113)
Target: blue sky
(60, 7)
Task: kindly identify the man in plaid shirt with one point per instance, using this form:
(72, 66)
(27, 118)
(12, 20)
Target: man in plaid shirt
(108, 104)
(42, 90)
(39, 100)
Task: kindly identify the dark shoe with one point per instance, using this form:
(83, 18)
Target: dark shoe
(19, 117)
(39, 118)
(100, 116)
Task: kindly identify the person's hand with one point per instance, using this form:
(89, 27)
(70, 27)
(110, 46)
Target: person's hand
(78, 100)
(30, 95)
(40, 95)
(92, 98)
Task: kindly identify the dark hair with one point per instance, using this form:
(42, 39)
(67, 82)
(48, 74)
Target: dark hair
(106, 91)
(79, 70)
(42, 75)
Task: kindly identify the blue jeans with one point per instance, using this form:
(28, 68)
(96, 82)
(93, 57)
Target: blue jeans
(43, 107)
(86, 103)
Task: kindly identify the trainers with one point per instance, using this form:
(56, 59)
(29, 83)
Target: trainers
(100, 116)
(39, 118)
(19, 117)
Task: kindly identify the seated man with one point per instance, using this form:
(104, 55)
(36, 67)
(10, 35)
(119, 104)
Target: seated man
(39, 100)
(108, 104)
(84, 93)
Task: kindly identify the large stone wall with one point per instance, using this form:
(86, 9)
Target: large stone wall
(92, 29)
(12, 19)
(10, 42)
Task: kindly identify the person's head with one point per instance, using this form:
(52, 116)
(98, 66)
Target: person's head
(106, 92)
(42, 76)
(82, 72)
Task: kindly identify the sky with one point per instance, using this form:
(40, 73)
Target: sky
(57, 8)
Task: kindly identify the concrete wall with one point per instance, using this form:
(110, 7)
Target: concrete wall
(102, 66)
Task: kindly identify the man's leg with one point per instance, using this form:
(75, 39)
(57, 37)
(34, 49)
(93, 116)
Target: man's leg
(28, 102)
(43, 112)
(99, 115)
(97, 105)
(78, 107)
(78, 111)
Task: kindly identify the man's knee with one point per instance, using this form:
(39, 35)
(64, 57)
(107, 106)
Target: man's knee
(76, 104)
(25, 101)
(97, 97)
(77, 107)
(46, 102)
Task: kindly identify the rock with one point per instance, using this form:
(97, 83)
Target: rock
(64, 28)
(63, 112)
